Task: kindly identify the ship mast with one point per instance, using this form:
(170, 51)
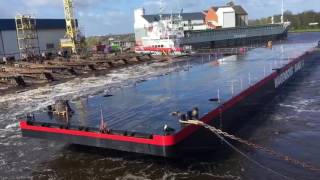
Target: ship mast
(282, 12)
(161, 8)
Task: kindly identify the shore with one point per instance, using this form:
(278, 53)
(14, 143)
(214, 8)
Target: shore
(23, 76)
(304, 30)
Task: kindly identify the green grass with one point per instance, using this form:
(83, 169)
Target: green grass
(304, 30)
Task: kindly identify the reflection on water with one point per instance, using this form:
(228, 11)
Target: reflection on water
(289, 125)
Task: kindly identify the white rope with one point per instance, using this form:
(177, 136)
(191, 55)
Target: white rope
(200, 123)
(250, 159)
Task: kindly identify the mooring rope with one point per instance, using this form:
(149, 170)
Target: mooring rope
(250, 159)
(222, 134)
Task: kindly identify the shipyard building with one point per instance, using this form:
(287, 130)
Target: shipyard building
(48, 35)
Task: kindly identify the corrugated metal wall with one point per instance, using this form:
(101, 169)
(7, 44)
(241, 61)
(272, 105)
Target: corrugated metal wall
(228, 19)
(1, 46)
(50, 37)
(45, 37)
(10, 43)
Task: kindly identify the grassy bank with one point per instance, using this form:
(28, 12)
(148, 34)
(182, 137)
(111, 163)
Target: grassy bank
(304, 30)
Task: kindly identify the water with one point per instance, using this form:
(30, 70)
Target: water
(288, 124)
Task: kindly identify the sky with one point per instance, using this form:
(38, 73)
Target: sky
(101, 17)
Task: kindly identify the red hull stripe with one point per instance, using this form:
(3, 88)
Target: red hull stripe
(160, 140)
(157, 140)
(158, 49)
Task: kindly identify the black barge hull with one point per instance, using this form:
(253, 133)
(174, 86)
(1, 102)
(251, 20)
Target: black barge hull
(235, 37)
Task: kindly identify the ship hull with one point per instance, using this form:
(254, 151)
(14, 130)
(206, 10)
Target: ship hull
(235, 37)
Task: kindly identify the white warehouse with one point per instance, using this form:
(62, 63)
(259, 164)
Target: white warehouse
(49, 31)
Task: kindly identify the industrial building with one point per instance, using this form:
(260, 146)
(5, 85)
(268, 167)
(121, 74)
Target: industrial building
(125, 41)
(226, 17)
(49, 32)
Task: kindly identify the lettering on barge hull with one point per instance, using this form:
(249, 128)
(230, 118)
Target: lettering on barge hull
(240, 36)
(284, 76)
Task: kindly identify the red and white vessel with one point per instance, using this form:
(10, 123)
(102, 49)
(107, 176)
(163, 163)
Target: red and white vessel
(161, 37)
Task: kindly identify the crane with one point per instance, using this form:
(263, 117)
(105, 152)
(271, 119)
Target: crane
(72, 39)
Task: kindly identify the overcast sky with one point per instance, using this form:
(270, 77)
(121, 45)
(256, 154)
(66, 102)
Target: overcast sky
(100, 17)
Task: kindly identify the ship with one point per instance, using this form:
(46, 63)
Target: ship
(145, 117)
(218, 27)
(162, 37)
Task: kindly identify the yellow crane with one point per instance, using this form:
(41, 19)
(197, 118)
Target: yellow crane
(72, 39)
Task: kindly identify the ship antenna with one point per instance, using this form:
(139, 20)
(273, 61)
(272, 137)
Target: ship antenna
(282, 12)
(103, 126)
(179, 7)
(161, 8)
(101, 113)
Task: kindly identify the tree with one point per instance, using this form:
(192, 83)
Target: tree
(298, 21)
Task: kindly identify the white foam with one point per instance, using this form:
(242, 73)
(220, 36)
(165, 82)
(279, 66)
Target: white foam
(288, 106)
(10, 126)
(134, 177)
(12, 105)
(2, 162)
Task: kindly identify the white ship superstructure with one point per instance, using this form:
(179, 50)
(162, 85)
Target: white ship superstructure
(158, 37)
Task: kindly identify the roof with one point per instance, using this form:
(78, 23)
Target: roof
(9, 24)
(215, 8)
(185, 16)
(239, 10)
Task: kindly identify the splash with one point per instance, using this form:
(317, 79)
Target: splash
(13, 105)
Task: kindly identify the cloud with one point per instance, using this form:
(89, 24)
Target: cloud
(174, 5)
(87, 4)
(43, 3)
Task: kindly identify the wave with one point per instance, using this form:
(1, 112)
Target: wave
(13, 105)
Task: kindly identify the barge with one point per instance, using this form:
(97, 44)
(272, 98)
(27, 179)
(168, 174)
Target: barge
(144, 117)
(236, 37)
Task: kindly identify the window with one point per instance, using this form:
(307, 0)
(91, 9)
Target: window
(50, 46)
